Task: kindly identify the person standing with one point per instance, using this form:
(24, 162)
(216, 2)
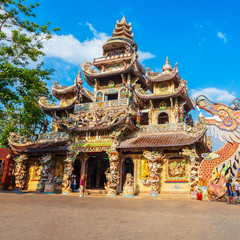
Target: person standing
(74, 183)
(230, 191)
(237, 188)
(82, 183)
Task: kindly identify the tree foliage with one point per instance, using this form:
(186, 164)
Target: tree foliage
(22, 76)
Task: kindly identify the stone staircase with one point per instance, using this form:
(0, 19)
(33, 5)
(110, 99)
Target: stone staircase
(162, 196)
(184, 196)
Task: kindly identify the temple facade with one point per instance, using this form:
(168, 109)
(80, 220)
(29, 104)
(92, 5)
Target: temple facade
(133, 133)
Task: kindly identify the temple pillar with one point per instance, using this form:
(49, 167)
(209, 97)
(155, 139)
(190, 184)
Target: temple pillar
(194, 167)
(46, 176)
(154, 165)
(113, 174)
(20, 172)
(83, 167)
(67, 176)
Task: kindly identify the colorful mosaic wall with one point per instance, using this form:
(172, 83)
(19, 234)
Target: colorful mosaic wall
(216, 168)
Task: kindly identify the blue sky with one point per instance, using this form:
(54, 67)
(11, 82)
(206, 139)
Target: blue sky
(202, 36)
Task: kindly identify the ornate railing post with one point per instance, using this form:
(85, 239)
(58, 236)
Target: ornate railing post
(69, 161)
(154, 165)
(113, 174)
(46, 175)
(20, 172)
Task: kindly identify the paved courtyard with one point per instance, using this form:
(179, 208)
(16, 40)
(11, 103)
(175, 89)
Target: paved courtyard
(35, 216)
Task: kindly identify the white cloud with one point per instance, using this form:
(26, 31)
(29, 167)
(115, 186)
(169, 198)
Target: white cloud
(145, 55)
(71, 50)
(214, 94)
(222, 36)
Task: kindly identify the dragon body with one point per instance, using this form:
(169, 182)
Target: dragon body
(217, 167)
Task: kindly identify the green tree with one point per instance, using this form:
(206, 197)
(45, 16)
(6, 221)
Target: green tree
(21, 84)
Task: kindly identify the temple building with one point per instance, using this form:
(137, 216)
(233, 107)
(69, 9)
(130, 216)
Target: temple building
(131, 134)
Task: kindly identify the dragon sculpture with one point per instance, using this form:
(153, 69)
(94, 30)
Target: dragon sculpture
(66, 182)
(20, 171)
(217, 167)
(46, 175)
(154, 165)
(112, 175)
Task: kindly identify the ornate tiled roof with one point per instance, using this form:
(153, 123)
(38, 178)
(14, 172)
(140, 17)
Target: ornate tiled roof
(162, 96)
(90, 73)
(59, 91)
(161, 140)
(46, 106)
(167, 73)
(46, 142)
(122, 121)
(123, 29)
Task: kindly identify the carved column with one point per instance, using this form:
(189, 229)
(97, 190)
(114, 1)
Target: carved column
(193, 172)
(154, 165)
(46, 175)
(69, 161)
(20, 172)
(113, 174)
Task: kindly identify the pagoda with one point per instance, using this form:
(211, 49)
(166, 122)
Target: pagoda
(135, 122)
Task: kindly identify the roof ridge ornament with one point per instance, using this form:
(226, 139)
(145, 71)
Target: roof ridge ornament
(78, 79)
(167, 67)
(176, 68)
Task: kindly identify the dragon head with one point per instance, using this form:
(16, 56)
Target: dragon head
(225, 121)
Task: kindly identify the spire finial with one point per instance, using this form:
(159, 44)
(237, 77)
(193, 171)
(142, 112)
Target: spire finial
(167, 61)
(167, 66)
(123, 20)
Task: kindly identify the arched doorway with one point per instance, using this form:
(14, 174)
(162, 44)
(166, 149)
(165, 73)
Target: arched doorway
(96, 166)
(77, 171)
(163, 118)
(127, 167)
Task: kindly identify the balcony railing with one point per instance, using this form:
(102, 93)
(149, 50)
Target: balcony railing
(102, 105)
(53, 136)
(171, 127)
(123, 55)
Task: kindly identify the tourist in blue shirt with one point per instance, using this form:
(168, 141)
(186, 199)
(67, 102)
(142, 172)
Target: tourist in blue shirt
(230, 191)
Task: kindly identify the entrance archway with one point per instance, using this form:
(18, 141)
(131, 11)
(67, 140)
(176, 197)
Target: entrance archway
(96, 167)
(127, 167)
(77, 171)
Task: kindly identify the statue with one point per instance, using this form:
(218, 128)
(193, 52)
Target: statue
(128, 188)
(112, 174)
(154, 165)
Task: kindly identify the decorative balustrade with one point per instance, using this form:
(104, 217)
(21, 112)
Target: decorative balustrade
(171, 127)
(53, 136)
(123, 55)
(101, 105)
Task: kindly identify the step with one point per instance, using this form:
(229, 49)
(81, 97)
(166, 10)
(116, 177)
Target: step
(96, 191)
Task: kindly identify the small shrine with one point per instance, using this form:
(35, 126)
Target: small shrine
(132, 133)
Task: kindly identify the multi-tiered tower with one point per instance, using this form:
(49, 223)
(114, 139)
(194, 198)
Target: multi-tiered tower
(133, 122)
